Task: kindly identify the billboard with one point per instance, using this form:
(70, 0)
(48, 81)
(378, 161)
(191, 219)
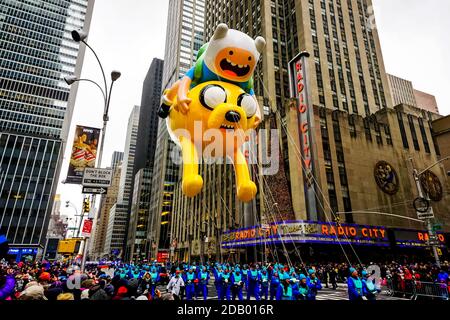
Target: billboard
(84, 153)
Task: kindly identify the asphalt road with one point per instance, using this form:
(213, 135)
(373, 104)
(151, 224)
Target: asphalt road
(325, 294)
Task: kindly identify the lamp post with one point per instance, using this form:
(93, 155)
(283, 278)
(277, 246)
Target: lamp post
(80, 36)
(431, 233)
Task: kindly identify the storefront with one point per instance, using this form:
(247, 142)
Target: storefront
(22, 254)
(329, 241)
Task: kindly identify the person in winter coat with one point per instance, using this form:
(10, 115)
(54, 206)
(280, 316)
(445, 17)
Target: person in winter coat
(175, 284)
(355, 286)
(121, 294)
(314, 284)
(97, 292)
(7, 285)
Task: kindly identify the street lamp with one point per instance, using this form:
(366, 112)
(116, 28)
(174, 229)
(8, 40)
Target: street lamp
(80, 36)
(431, 233)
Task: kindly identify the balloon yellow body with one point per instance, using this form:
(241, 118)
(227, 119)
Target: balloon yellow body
(215, 126)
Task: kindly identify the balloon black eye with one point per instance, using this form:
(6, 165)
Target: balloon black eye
(212, 95)
(231, 53)
(249, 58)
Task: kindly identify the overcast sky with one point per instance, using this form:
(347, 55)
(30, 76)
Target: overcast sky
(128, 34)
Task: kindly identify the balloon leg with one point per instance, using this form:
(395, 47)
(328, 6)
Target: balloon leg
(246, 188)
(192, 181)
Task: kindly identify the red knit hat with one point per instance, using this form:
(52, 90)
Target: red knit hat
(122, 291)
(45, 276)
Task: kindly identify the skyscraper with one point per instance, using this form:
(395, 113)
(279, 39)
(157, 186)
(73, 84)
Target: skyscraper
(403, 92)
(36, 52)
(184, 37)
(119, 213)
(102, 221)
(116, 159)
(145, 155)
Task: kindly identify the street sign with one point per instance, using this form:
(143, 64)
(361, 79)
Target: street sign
(421, 205)
(90, 190)
(97, 178)
(426, 215)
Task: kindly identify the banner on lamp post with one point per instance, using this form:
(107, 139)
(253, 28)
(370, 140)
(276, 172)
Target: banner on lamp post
(84, 153)
(87, 228)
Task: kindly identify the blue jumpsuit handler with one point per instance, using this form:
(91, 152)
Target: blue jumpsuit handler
(217, 274)
(237, 284)
(189, 283)
(264, 284)
(226, 285)
(302, 288)
(274, 285)
(285, 289)
(203, 278)
(254, 278)
(314, 285)
(154, 280)
(369, 289)
(245, 276)
(355, 286)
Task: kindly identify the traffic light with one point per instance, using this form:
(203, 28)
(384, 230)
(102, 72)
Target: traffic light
(86, 205)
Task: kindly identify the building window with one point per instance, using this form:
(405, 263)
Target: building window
(424, 136)
(402, 130)
(367, 129)
(413, 132)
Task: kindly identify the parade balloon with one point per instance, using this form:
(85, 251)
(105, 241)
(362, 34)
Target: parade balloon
(210, 110)
(219, 116)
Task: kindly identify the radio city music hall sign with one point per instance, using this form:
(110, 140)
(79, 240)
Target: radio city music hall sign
(303, 110)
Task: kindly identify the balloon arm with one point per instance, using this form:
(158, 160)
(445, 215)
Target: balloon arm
(183, 90)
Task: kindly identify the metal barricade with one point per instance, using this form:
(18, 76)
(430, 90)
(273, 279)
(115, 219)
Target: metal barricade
(416, 290)
(399, 288)
(430, 290)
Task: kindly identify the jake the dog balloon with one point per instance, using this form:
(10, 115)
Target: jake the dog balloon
(216, 97)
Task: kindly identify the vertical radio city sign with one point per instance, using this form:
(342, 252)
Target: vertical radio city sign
(299, 90)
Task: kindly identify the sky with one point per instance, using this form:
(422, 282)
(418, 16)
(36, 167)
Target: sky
(127, 35)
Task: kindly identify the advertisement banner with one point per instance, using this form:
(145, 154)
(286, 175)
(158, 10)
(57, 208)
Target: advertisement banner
(87, 228)
(84, 153)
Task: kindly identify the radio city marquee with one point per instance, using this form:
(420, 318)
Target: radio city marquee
(307, 232)
(326, 233)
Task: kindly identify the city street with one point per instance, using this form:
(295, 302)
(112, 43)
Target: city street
(325, 294)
